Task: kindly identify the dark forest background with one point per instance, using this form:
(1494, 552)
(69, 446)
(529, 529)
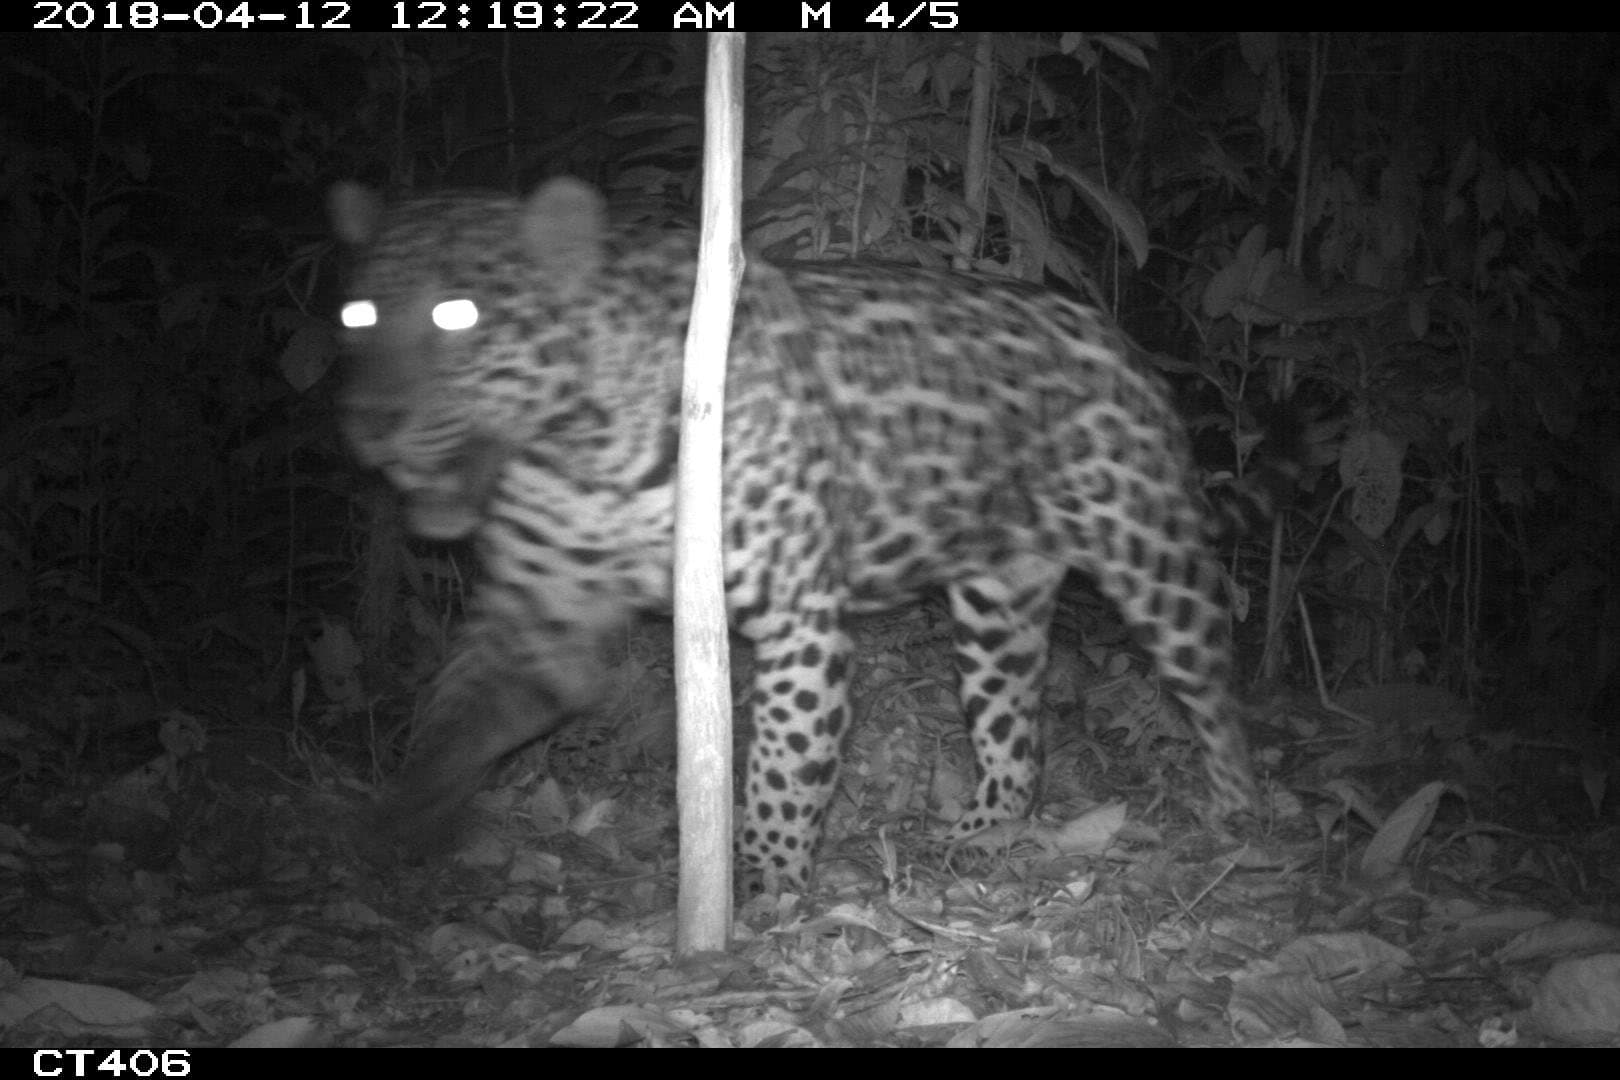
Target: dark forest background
(1385, 263)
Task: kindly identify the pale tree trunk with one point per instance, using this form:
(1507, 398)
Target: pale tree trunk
(702, 662)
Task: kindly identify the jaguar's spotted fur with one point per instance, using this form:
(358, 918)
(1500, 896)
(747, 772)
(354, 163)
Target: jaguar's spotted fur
(887, 431)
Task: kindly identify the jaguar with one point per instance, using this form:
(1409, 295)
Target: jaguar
(514, 371)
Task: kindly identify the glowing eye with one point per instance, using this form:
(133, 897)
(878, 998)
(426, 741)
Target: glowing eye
(455, 314)
(358, 314)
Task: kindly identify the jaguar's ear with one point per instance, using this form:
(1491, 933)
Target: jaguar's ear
(355, 211)
(563, 225)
